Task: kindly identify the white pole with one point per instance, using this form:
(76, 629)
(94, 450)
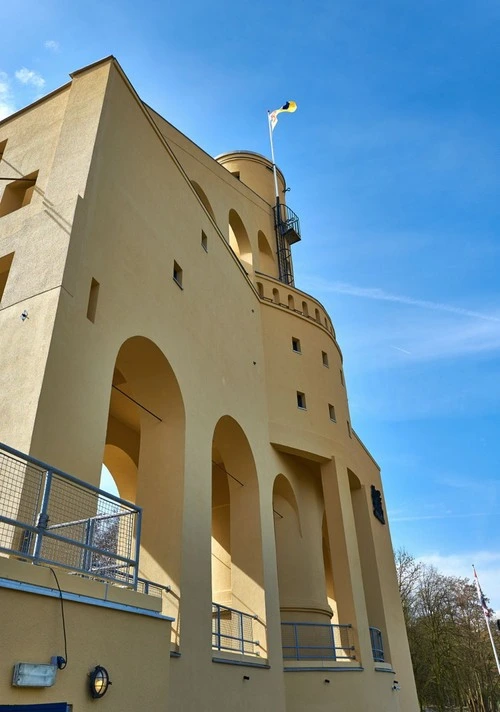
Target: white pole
(492, 643)
(486, 618)
(272, 157)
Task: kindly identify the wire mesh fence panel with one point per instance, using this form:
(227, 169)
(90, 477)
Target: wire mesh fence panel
(316, 641)
(377, 645)
(21, 488)
(51, 517)
(232, 630)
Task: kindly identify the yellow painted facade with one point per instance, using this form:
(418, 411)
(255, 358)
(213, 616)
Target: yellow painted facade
(144, 324)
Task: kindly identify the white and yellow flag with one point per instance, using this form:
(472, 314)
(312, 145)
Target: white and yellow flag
(290, 106)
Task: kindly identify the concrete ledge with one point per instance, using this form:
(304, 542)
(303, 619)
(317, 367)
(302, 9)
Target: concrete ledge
(30, 578)
(323, 669)
(241, 660)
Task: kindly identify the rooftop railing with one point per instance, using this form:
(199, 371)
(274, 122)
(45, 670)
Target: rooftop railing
(50, 517)
(377, 645)
(232, 630)
(317, 641)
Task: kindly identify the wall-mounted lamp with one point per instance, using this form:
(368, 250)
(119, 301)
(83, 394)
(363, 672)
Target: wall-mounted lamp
(34, 675)
(99, 682)
(327, 681)
(396, 686)
(24, 315)
(246, 677)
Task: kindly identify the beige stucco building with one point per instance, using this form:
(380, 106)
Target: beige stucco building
(148, 320)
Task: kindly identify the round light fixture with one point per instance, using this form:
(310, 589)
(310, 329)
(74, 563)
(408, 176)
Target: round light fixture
(99, 682)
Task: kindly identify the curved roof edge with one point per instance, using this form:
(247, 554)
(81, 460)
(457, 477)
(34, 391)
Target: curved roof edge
(250, 156)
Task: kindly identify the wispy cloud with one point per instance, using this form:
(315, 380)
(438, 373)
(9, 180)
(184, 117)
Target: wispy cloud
(403, 351)
(444, 515)
(30, 77)
(52, 45)
(7, 106)
(380, 295)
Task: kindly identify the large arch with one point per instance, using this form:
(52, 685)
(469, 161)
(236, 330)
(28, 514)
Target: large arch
(237, 566)
(298, 514)
(144, 451)
(202, 196)
(239, 240)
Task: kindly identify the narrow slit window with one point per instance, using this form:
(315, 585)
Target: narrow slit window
(296, 345)
(331, 411)
(204, 241)
(342, 377)
(324, 358)
(5, 265)
(305, 310)
(349, 431)
(18, 193)
(301, 400)
(93, 297)
(177, 274)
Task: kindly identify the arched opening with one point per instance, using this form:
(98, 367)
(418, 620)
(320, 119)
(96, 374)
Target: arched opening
(266, 257)
(291, 302)
(144, 452)
(239, 240)
(305, 309)
(202, 196)
(317, 316)
(306, 628)
(276, 296)
(260, 289)
(122, 470)
(237, 568)
(364, 520)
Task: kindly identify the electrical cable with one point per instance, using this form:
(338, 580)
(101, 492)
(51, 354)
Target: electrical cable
(61, 663)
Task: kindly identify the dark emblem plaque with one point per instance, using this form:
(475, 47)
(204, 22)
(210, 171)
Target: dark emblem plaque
(378, 509)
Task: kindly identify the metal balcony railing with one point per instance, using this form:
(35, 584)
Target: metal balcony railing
(50, 517)
(232, 630)
(377, 645)
(287, 223)
(317, 641)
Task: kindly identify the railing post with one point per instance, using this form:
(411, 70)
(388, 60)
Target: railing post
(242, 636)
(296, 639)
(137, 547)
(43, 517)
(89, 538)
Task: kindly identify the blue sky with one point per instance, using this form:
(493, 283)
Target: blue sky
(392, 159)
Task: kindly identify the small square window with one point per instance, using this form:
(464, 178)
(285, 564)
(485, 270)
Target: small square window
(342, 377)
(5, 265)
(349, 429)
(92, 303)
(296, 345)
(324, 357)
(301, 400)
(204, 241)
(331, 410)
(18, 193)
(177, 275)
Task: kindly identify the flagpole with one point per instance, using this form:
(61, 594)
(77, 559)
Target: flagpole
(481, 597)
(272, 158)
